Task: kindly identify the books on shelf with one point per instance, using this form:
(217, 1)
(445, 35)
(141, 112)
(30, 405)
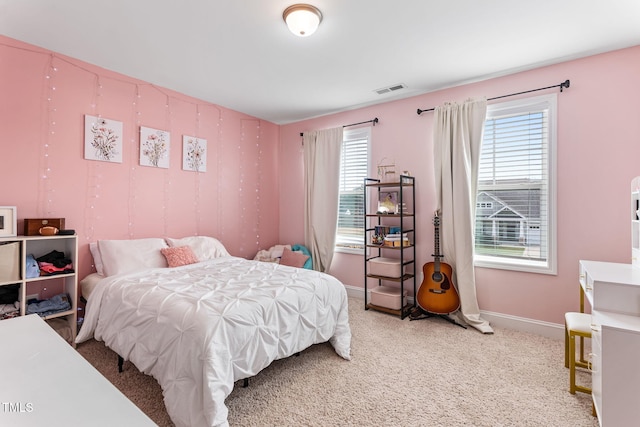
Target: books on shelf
(382, 230)
(378, 237)
(397, 235)
(396, 240)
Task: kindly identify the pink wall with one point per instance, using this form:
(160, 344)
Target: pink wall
(251, 196)
(44, 97)
(598, 155)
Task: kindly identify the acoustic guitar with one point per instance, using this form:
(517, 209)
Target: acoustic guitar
(437, 293)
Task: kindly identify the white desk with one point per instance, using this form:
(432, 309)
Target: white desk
(46, 382)
(613, 291)
(611, 286)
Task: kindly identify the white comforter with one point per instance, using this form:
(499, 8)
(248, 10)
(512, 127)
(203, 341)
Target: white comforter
(199, 328)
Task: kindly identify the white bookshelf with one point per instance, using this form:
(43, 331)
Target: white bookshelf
(68, 282)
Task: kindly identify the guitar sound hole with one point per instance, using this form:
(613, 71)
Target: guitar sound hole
(438, 277)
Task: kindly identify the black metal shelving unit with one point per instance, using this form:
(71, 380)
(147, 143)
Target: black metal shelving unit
(405, 220)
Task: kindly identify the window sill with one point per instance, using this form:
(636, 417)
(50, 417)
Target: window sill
(514, 265)
(352, 251)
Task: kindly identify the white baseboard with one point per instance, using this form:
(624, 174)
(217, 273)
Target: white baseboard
(523, 324)
(545, 329)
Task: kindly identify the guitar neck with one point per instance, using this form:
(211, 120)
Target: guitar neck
(436, 240)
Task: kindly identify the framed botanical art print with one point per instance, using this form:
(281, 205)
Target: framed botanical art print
(8, 221)
(102, 139)
(154, 147)
(194, 154)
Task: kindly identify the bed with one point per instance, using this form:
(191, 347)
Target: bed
(200, 326)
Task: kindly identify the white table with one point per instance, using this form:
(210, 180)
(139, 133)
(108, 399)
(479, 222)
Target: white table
(46, 382)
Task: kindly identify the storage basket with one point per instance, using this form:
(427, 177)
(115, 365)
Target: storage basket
(388, 297)
(10, 262)
(387, 267)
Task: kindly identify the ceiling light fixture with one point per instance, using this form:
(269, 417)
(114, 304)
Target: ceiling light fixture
(302, 19)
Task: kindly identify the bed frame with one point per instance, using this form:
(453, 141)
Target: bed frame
(245, 382)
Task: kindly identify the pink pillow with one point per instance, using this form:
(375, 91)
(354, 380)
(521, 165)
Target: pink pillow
(293, 258)
(179, 255)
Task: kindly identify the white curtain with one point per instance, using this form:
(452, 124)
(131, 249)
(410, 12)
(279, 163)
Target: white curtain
(321, 183)
(457, 136)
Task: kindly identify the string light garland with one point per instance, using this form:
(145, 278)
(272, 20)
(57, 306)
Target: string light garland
(196, 199)
(167, 172)
(135, 155)
(258, 185)
(241, 193)
(95, 169)
(45, 190)
(220, 150)
(251, 142)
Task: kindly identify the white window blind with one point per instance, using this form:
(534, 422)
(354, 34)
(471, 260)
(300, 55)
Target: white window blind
(354, 166)
(515, 205)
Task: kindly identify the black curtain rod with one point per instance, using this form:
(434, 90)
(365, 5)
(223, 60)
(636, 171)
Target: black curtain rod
(374, 121)
(564, 84)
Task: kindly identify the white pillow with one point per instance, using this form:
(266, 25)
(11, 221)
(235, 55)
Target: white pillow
(97, 258)
(203, 247)
(123, 256)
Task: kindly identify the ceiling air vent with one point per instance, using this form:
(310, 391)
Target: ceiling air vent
(391, 88)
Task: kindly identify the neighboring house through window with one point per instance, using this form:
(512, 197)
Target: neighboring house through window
(515, 206)
(354, 167)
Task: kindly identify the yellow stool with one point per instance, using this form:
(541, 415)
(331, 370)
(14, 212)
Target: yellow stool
(576, 325)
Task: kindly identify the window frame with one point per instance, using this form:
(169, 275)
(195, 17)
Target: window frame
(524, 106)
(350, 135)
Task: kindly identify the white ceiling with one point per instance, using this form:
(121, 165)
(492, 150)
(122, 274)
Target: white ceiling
(239, 53)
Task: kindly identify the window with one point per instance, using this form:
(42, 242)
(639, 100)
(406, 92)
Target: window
(354, 167)
(484, 205)
(515, 205)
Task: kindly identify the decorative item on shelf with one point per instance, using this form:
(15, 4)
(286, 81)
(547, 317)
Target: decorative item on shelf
(379, 232)
(377, 239)
(48, 231)
(8, 221)
(43, 226)
(386, 171)
(405, 177)
(387, 202)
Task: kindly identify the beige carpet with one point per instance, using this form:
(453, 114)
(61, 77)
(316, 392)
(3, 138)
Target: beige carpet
(402, 373)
